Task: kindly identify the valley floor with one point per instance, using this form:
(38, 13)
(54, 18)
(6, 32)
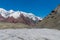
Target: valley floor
(29, 34)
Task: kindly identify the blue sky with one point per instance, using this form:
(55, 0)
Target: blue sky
(38, 7)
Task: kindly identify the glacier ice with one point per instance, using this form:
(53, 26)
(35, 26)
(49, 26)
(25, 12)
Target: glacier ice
(29, 34)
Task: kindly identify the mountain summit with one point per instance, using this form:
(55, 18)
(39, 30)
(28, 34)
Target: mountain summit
(18, 17)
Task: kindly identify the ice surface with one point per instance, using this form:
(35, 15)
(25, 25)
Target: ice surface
(29, 34)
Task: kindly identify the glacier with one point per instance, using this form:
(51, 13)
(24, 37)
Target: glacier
(29, 34)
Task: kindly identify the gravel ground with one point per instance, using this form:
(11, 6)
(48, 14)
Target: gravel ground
(29, 34)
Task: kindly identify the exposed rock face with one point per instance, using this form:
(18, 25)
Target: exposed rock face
(1, 18)
(11, 20)
(21, 19)
(26, 20)
(52, 20)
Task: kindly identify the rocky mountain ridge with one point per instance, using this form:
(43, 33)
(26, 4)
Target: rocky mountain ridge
(18, 17)
(52, 20)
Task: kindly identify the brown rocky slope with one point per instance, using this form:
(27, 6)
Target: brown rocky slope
(52, 20)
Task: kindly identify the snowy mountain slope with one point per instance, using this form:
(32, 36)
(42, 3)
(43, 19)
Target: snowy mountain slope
(12, 16)
(16, 14)
(29, 34)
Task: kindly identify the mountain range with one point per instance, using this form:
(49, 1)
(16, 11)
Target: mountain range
(12, 16)
(19, 19)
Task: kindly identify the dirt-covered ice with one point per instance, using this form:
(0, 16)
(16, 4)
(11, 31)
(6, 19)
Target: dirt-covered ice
(29, 34)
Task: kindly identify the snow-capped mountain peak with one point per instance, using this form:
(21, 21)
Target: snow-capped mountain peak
(11, 11)
(16, 14)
